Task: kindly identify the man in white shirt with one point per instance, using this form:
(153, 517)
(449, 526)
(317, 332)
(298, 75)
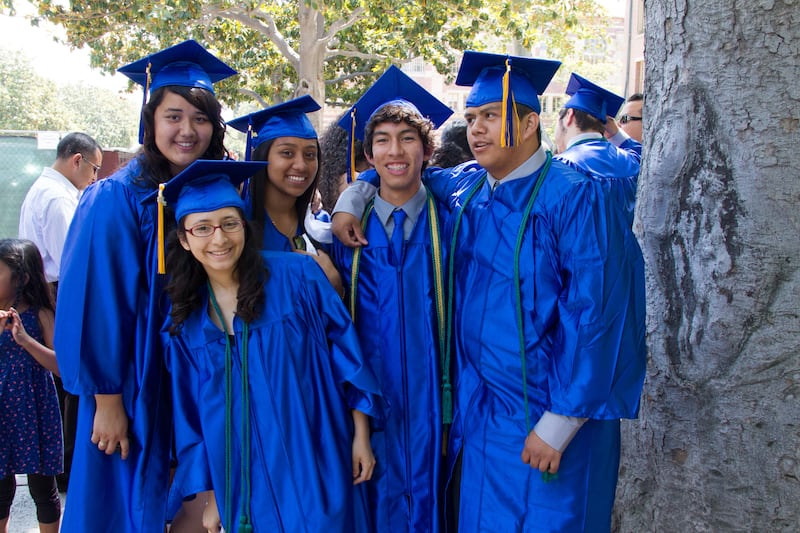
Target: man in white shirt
(51, 201)
(44, 219)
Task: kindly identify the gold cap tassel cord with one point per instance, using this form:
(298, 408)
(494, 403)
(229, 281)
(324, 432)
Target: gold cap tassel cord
(162, 263)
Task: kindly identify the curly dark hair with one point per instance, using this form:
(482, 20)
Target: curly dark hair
(155, 167)
(185, 290)
(333, 145)
(27, 273)
(258, 185)
(397, 113)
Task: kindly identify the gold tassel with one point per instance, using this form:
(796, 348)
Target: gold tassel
(506, 138)
(351, 171)
(162, 263)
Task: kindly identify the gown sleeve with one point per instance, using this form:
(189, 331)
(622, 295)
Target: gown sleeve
(96, 314)
(192, 474)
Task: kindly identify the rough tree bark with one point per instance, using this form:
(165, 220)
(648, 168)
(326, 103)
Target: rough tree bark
(716, 445)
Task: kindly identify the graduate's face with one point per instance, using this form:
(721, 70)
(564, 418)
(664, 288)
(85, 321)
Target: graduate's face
(398, 156)
(182, 131)
(293, 164)
(484, 127)
(221, 251)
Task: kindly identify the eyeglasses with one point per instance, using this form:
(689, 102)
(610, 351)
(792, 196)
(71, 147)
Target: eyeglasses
(95, 168)
(234, 225)
(624, 119)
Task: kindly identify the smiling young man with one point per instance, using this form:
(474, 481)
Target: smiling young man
(396, 295)
(545, 365)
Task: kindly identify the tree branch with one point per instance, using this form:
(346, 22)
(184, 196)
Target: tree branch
(342, 24)
(261, 22)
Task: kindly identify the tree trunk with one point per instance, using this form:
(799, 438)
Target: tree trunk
(312, 59)
(716, 444)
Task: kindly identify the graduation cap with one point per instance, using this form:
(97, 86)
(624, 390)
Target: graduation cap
(507, 79)
(591, 98)
(204, 185)
(287, 119)
(397, 88)
(187, 64)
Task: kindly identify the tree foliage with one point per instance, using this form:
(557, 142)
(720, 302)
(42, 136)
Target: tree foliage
(31, 102)
(331, 49)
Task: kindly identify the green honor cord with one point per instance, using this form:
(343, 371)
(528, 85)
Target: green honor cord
(518, 293)
(245, 526)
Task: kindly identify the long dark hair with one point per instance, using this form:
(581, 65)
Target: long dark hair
(155, 166)
(188, 278)
(258, 186)
(27, 273)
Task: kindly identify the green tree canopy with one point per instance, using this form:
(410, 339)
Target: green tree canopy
(331, 49)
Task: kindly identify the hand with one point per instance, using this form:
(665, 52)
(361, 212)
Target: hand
(348, 230)
(540, 455)
(611, 127)
(17, 328)
(211, 519)
(110, 425)
(363, 461)
(4, 316)
(316, 202)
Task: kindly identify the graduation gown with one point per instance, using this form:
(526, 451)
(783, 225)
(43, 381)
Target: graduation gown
(398, 329)
(582, 296)
(108, 318)
(619, 167)
(305, 373)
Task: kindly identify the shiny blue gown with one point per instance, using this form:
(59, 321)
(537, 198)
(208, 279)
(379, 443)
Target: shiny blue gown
(583, 310)
(397, 326)
(305, 374)
(600, 159)
(109, 314)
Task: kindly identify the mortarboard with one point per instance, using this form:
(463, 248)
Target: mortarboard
(507, 79)
(204, 185)
(287, 119)
(187, 64)
(393, 87)
(591, 98)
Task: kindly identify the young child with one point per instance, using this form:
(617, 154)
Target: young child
(396, 293)
(266, 370)
(30, 422)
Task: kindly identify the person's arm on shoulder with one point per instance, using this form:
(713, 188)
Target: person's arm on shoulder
(363, 458)
(43, 355)
(346, 222)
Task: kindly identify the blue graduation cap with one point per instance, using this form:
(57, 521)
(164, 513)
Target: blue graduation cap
(204, 185)
(507, 79)
(187, 64)
(287, 119)
(591, 98)
(393, 87)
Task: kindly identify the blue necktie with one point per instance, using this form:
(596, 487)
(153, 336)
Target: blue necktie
(399, 217)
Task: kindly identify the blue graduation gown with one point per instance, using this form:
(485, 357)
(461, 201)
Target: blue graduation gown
(600, 159)
(398, 329)
(582, 294)
(305, 373)
(107, 341)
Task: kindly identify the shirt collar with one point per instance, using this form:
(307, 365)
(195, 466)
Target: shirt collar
(531, 165)
(413, 207)
(592, 135)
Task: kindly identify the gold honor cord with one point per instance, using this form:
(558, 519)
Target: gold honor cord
(438, 283)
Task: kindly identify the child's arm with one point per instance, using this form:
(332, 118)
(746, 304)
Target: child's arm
(363, 458)
(43, 355)
(211, 518)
